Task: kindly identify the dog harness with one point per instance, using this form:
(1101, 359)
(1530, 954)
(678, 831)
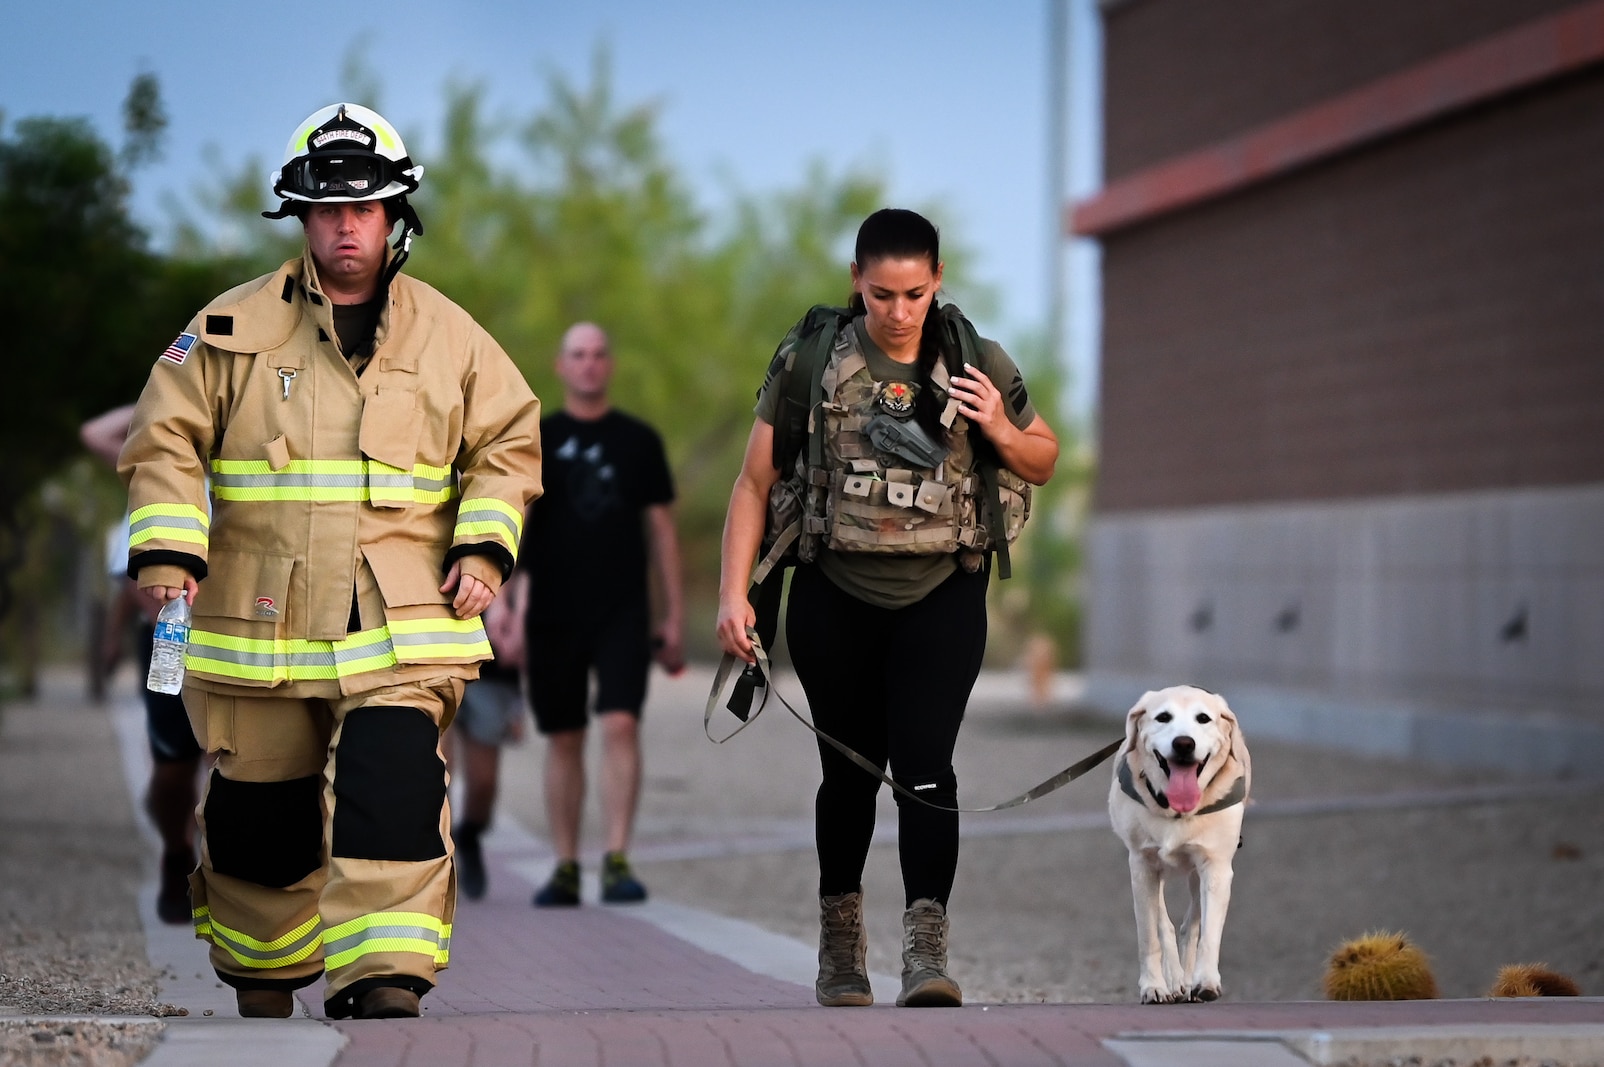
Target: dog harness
(1234, 796)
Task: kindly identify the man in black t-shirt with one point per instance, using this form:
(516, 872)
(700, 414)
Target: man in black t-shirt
(604, 524)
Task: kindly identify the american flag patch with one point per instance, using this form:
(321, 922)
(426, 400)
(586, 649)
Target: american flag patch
(176, 351)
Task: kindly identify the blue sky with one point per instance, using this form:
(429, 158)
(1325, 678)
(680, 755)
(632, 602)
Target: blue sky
(945, 99)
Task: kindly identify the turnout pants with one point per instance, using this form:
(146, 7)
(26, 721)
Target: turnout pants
(325, 839)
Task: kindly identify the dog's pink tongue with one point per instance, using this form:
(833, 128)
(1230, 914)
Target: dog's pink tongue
(1183, 792)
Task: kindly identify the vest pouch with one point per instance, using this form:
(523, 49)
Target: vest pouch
(880, 524)
(785, 510)
(1013, 492)
(241, 614)
(391, 426)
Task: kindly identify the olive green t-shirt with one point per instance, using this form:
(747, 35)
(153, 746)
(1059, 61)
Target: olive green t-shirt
(897, 581)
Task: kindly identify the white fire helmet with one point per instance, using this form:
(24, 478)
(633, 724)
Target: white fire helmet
(345, 153)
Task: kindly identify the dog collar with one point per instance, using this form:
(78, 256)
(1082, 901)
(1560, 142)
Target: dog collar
(1233, 796)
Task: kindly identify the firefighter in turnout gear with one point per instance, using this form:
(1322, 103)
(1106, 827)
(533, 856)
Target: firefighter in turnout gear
(371, 453)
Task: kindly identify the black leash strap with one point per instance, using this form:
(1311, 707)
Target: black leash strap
(727, 666)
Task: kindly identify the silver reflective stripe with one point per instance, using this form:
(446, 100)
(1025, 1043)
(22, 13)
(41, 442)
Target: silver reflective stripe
(351, 653)
(467, 515)
(438, 637)
(286, 481)
(386, 931)
(165, 522)
(434, 485)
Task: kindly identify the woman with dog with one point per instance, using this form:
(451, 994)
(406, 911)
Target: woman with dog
(886, 623)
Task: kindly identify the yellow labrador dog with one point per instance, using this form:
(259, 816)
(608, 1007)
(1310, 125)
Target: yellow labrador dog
(1180, 783)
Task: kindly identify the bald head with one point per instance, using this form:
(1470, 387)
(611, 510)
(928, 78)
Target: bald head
(584, 366)
(585, 335)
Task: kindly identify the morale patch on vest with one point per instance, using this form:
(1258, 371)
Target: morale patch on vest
(896, 398)
(221, 325)
(178, 351)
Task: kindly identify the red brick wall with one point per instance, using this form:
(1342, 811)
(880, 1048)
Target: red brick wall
(1180, 74)
(1423, 315)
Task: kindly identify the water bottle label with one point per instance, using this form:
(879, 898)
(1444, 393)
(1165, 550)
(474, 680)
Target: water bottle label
(176, 632)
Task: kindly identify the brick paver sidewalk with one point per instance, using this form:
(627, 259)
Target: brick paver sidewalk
(598, 986)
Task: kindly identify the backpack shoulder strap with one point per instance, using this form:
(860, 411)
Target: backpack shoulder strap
(801, 360)
(960, 335)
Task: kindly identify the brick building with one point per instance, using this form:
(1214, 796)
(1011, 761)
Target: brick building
(1351, 445)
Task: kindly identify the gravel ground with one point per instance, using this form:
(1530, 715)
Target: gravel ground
(71, 942)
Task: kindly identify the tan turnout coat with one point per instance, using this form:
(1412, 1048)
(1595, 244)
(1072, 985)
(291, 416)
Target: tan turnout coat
(325, 485)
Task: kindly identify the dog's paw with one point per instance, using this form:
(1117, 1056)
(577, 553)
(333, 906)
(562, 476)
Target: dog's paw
(1203, 994)
(1154, 995)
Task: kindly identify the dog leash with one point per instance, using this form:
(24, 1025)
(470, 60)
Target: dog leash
(727, 666)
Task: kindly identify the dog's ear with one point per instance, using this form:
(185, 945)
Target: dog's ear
(1238, 747)
(1133, 718)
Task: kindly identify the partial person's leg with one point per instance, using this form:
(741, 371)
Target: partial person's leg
(825, 629)
(481, 764)
(621, 772)
(565, 790)
(256, 893)
(173, 792)
(946, 632)
(623, 660)
(391, 893)
(474, 745)
(558, 663)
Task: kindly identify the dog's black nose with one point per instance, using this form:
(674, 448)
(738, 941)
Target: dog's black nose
(1183, 746)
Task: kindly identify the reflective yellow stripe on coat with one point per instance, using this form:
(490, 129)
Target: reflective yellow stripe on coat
(331, 480)
(169, 522)
(276, 660)
(485, 517)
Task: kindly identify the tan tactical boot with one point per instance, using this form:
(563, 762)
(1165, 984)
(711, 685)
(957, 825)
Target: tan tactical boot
(843, 945)
(925, 983)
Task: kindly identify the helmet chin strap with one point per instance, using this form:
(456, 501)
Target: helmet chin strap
(411, 226)
(402, 249)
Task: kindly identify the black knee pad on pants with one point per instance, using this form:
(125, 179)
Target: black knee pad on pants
(269, 833)
(940, 789)
(389, 786)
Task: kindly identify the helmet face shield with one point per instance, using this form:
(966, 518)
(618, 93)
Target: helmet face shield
(354, 177)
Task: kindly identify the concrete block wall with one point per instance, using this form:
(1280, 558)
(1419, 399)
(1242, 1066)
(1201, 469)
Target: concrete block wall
(1454, 628)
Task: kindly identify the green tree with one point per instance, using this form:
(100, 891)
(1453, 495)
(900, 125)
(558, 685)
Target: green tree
(86, 306)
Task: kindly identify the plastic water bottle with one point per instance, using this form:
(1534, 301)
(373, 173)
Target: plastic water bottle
(167, 653)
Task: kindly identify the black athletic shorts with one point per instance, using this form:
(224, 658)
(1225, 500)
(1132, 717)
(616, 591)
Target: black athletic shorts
(166, 722)
(562, 653)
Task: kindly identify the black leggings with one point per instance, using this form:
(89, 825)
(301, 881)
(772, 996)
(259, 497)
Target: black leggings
(891, 684)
